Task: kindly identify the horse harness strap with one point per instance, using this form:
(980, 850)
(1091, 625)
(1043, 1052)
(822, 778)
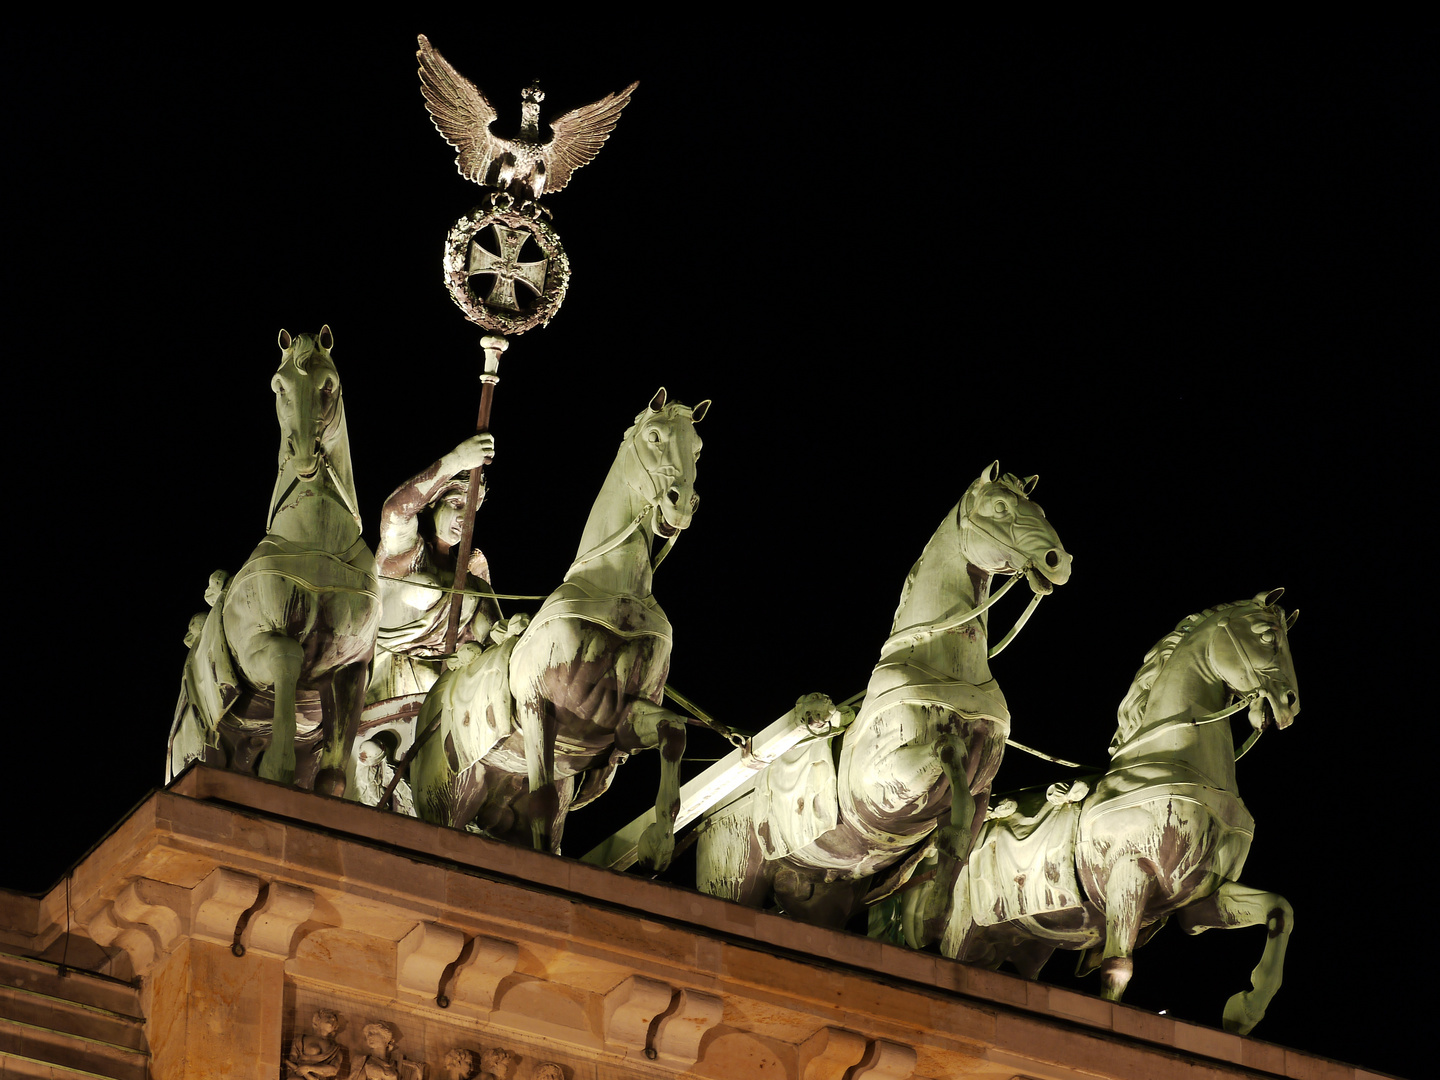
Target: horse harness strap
(914, 635)
(608, 545)
(341, 562)
(651, 507)
(1146, 734)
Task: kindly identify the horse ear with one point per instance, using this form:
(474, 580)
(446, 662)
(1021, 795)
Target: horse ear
(1271, 598)
(1292, 619)
(658, 401)
(284, 340)
(990, 475)
(327, 339)
(1028, 484)
(698, 413)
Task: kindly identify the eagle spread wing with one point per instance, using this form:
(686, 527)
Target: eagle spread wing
(462, 114)
(579, 134)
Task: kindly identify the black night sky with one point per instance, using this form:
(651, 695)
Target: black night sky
(1190, 281)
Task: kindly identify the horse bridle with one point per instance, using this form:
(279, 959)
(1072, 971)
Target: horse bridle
(651, 507)
(1245, 700)
(1254, 672)
(925, 633)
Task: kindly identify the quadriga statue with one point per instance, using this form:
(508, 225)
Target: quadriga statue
(919, 757)
(1099, 864)
(505, 735)
(276, 681)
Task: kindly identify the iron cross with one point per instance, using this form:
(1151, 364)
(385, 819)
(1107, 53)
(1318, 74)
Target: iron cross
(507, 268)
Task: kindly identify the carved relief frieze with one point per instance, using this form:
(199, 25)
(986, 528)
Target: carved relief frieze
(382, 1058)
(354, 1040)
(317, 1055)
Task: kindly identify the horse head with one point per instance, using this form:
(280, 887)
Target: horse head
(666, 448)
(308, 404)
(1003, 532)
(1249, 647)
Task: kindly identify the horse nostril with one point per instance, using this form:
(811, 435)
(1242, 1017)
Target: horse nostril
(673, 496)
(1052, 559)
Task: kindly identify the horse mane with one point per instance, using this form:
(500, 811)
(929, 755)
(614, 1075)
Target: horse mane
(949, 526)
(1131, 712)
(302, 347)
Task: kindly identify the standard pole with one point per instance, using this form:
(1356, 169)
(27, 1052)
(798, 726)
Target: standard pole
(494, 345)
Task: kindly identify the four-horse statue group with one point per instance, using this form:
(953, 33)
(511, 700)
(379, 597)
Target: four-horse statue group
(322, 665)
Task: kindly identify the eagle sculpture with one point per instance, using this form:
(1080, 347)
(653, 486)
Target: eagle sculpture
(526, 165)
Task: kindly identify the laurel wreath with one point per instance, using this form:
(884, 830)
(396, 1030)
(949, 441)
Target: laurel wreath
(525, 219)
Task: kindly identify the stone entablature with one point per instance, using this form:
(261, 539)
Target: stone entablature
(244, 907)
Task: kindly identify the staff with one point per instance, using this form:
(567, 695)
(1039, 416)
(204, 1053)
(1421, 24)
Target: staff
(494, 345)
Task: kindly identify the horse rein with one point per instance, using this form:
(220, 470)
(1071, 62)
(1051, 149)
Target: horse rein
(1248, 699)
(651, 507)
(916, 634)
(1244, 702)
(604, 547)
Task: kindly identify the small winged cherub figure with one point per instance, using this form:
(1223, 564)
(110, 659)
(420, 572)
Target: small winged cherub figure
(528, 165)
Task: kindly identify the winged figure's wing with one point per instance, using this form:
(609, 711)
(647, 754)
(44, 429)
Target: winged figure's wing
(579, 134)
(460, 113)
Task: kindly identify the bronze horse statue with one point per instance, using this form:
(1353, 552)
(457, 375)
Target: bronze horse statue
(911, 774)
(515, 736)
(276, 681)
(1099, 864)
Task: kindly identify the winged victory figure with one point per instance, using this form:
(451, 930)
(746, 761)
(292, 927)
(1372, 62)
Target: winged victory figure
(526, 165)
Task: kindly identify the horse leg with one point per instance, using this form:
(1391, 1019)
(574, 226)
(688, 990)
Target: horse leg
(344, 700)
(953, 838)
(649, 725)
(729, 862)
(1234, 905)
(923, 909)
(959, 917)
(539, 739)
(275, 660)
(1127, 893)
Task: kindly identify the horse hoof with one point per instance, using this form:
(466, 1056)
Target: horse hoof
(330, 782)
(279, 775)
(1240, 1019)
(1115, 973)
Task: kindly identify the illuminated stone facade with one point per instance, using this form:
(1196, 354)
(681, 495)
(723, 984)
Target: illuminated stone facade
(215, 923)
